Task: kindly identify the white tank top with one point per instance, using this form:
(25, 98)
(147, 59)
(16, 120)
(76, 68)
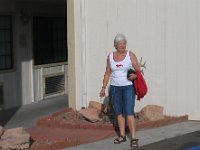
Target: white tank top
(119, 71)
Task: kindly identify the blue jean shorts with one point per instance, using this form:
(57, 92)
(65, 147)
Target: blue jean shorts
(123, 99)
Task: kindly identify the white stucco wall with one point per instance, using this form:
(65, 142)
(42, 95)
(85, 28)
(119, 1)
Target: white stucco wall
(164, 32)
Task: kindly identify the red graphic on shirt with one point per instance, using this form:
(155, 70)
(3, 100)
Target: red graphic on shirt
(119, 65)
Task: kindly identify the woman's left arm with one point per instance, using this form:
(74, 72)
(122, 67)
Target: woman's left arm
(134, 61)
(135, 66)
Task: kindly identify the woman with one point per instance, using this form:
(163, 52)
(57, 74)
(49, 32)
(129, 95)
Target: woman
(122, 89)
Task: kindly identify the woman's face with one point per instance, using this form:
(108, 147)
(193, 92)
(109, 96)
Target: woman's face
(121, 46)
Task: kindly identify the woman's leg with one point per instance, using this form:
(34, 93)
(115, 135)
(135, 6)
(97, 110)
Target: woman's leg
(116, 94)
(121, 124)
(129, 103)
(131, 125)
(132, 128)
(129, 99)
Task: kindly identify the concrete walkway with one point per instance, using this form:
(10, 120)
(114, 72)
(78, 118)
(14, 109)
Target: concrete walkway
(146, 137)
(27, 115)
(190, 141)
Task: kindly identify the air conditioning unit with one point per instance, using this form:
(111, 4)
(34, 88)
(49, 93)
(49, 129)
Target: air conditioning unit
(54, 84)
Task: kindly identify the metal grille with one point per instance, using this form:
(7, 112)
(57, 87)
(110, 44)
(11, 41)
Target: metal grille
(54, 84)
(1, 95)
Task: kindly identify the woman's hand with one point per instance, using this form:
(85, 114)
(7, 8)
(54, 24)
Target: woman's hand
(132, 77)
(102, 93)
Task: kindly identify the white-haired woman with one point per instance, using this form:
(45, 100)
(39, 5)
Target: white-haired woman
(122, 89)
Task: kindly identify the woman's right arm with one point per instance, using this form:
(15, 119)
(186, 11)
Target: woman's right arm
(106, 78)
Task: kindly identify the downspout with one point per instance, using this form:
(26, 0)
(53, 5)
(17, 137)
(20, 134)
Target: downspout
(83, 55)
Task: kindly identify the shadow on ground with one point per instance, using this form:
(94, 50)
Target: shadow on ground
(27, 115)
(6, 115)
(183, 142)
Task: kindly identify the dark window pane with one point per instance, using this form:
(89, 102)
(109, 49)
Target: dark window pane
(5, 22)
(2, 49)
(1, 95)
(49, 36)
(2, 62)
(1, 22)
(7, 49)
(2, 35)
(7, 35)
(5, 43)
(8, 62)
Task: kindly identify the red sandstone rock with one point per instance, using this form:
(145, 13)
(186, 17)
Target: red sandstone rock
(1, 131)
(16, 138)
(91, 114)
(96, 105)
(152, 112)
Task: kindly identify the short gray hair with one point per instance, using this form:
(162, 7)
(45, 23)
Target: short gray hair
(119, 37)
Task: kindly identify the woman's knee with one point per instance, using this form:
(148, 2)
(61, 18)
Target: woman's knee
(130, 117)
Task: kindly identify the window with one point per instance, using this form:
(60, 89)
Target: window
(6, 61)
(50, 40)
(1, 95)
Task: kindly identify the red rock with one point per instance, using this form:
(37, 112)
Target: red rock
(96, 105)
(90, 114)
(1, 131)
(16, 138)
(153, 112)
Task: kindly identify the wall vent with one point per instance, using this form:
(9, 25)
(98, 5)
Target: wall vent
(54, 84)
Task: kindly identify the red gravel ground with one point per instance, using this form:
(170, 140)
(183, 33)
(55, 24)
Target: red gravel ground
(67, 128)
(56, 138)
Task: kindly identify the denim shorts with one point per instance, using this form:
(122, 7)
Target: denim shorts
(123, 99)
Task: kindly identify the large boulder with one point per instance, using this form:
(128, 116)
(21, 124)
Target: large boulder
(140, 117)
(1, 131)
(16, 138)
(96, 105)
(152, 112)
(91, 114)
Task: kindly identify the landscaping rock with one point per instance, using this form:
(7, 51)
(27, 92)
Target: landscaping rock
(152, 112)
(16, 138)
(1, 131)
(91, 114)
(140, 117)
(96, 105)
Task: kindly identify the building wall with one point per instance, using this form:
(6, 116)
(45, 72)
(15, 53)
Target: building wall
(19, 82)
(10, 79)
(165, 33)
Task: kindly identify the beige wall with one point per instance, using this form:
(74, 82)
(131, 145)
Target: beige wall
(77, 54)
(164, 32)
(71, 55)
